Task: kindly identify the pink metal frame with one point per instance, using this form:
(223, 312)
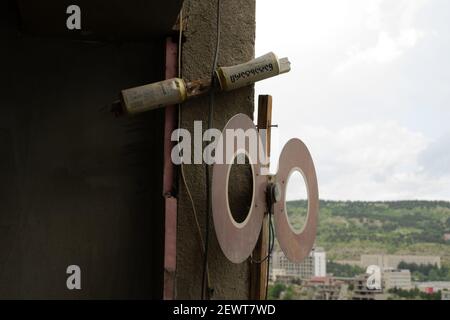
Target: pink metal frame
(170, 241)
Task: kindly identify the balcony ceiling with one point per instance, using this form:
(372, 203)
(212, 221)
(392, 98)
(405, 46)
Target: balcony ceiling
(101, 19)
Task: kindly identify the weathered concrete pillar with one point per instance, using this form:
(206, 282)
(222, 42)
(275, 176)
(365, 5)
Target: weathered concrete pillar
(228, 280)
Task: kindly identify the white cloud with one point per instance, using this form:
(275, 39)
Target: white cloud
(372, 161)
(393, 22)
(436, 158)
(369, 128)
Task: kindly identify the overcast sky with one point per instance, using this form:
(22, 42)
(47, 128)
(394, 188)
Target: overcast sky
(369, 93)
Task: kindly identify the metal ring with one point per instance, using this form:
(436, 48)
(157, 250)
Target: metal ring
(237, 240)
(296, 246)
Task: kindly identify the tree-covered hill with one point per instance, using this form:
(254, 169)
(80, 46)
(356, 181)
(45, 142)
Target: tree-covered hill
(348, 229)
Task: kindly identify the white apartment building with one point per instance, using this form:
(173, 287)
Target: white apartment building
(320, 262)
(313, 266)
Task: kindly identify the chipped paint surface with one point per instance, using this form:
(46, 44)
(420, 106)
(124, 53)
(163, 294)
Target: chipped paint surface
(230, 281)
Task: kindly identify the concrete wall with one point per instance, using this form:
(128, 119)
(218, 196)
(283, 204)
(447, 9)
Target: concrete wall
(80, 187)
(237, 45)
(76, 185)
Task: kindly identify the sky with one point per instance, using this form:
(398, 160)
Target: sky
(368, 93)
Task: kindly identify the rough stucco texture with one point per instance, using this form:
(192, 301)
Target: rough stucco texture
(229, 281)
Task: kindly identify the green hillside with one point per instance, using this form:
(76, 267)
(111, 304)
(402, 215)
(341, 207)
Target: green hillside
(349, 229)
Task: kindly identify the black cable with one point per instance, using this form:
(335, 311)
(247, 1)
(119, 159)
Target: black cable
(271, 247)
(269, 254)
(271, 242)
(210, 124)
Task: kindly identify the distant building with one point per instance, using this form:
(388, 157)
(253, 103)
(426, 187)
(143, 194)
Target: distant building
(400, 279)
(392, 261)
(327, 288)
(428, 290)
(360, 290)
(320, 262)
(354, 263)
(304, 270)
(313, 266)
(277, 273)
(445, 295)
(433, 286)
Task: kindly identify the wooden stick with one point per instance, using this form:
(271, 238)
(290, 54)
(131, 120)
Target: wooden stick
(258, 276)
